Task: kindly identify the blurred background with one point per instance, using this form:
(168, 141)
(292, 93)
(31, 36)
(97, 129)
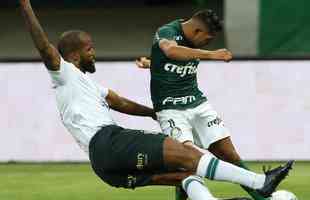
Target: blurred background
(123, 30)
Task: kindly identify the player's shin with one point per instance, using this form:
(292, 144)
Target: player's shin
(215, 169)
(255, 195)
(195, 189)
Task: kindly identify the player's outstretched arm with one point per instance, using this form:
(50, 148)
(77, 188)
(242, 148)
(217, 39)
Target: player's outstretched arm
(127, 106)
(177, 52)
(48, 52)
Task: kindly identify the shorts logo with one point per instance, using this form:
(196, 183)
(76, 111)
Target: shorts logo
(175, 132)
(142, 161)
(216, 121)
(131, 181)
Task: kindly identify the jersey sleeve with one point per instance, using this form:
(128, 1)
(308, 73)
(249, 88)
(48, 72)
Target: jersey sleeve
(104, 92)
(166, 33)
(65, 72)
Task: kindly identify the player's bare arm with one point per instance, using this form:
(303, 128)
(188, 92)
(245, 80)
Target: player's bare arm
(127, 106)
(48, 52)
(177, 52)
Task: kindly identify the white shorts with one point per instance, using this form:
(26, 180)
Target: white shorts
(200, 125)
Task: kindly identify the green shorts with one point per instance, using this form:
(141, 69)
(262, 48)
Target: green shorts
(126, 158)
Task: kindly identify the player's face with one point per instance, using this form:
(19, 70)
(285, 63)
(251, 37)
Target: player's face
(87, 55)
(201, 38)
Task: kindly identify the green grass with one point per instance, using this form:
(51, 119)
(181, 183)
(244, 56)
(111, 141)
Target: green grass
(78, 182)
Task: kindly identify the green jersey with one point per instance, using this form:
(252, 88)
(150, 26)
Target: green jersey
(173, 83)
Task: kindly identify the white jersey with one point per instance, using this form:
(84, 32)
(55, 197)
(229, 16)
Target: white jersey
(81, 103)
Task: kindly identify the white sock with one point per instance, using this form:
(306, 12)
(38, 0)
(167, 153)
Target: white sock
(195, 189)
(215, 169)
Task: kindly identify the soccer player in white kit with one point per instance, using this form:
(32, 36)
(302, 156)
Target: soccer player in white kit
(124, 157)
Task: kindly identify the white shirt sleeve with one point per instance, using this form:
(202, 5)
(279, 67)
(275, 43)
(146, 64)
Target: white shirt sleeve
(103, 90)
(65, 72)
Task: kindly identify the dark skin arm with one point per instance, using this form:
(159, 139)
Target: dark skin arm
(177, 52)
(48, 52)
(127, 106)
(174, 51)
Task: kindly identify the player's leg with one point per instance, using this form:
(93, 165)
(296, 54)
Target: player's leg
(174, 123)
(193, 185)
(215, 137)
(130, 152)
(177, 155)
(129, 158)
(225, 150)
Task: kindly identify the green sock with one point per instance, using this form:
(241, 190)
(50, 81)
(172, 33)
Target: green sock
(180, 194)
(255, 195)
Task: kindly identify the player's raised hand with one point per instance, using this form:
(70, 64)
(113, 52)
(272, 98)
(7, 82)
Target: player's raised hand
(48, 52)
(143, 63)
(223, 54)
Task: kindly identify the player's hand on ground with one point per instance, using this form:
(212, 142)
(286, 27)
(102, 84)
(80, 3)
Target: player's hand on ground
(143, 63)
(223, 54)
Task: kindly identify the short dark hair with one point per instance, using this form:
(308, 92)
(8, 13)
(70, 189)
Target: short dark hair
(70, 41)
(210, 19)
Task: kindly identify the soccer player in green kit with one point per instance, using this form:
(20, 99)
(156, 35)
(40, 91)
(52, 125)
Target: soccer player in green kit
(183, 111)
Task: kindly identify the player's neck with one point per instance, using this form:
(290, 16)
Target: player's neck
(186, 28)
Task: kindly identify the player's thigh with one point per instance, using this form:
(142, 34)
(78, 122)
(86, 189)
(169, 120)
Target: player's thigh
(126, 150)
(208, 126)
(130, 181)
(175, 124)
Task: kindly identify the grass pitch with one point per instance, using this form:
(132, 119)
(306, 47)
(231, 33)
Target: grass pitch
(78, 182)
